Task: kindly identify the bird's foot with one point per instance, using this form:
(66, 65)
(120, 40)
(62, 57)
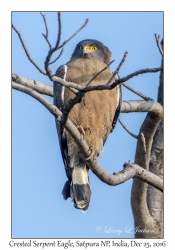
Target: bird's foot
(92, 154)
(88, 129)
(82, 132)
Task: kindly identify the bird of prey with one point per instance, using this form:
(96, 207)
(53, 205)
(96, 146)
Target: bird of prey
(95, 116)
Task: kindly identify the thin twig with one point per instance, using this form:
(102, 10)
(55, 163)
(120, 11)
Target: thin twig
(46, 36)
(74, 34)
(135, 136)
(59, 31)
(135, 92)
(26, 51)
(57, 56)
(158, 43)
(70, 105)
(118, 68)
(139, 72)
(122, 61)
(100, 72)
(45, 22)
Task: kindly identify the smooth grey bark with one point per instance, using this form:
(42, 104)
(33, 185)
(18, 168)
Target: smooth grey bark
(146, 201)
(155, 197)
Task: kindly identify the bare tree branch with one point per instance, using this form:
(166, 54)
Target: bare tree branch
(61, 52)
(136, 73)
(100, 72)
(46, 36)
(157, 37)
(135, 136)
(135, 92)
(142, 174)
(57, 47)
(122, 61)
(70, 105)
(26, 51)
(82, 27)
(59, 31)
(118, 68)
(114, 179)
(35, 85)
(142, 106)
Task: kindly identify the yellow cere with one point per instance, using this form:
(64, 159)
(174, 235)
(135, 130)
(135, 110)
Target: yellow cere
(89, 49)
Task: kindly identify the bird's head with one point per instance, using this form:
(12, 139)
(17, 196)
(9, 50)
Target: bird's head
(91, 48)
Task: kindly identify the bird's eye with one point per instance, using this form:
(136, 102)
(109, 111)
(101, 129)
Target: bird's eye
(81, 47)
(94, 48)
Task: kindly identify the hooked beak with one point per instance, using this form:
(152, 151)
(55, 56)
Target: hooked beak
(85, 50)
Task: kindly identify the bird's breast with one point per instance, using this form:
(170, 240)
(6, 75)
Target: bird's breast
(96, 111)
(81, 71)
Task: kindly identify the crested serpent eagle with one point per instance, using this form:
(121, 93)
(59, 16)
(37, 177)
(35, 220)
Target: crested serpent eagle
(95, 116)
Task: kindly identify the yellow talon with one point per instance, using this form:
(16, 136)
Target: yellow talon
(88, 129)
(82, 133)
(92, 154)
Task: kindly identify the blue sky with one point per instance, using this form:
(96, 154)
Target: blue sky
(38, 176)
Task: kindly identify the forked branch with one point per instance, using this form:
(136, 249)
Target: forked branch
(61, 52)
(47, 31)
(57, 46)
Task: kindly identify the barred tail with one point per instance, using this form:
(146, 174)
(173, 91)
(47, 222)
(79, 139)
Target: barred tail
(79, 188)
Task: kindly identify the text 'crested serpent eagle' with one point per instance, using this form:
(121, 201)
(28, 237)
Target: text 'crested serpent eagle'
(95, 116)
